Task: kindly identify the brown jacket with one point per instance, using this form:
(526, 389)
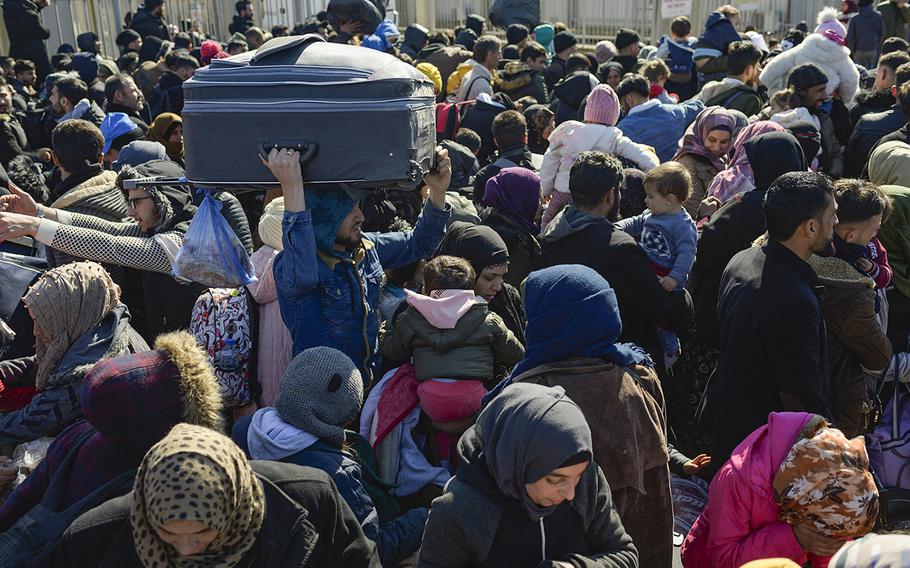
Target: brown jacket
(855, 339)
(702, 172)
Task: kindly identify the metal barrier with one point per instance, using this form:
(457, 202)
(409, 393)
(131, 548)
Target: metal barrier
(590, 20)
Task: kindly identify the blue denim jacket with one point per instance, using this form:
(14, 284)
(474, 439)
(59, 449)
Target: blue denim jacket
(338, 306)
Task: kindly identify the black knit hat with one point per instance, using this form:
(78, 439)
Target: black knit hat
(563, 41)
(805, 76)
(626, 37)
(127, 37)
(515, 33)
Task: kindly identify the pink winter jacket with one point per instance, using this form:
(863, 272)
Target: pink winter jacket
(275, 345)
(740, 523)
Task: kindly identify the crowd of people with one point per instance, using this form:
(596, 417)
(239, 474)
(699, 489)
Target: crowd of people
(644, 306)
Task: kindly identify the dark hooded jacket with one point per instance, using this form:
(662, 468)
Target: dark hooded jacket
(479, 118)
(147, 24)
(27, 34)
(307, 523)
(719, 33)
(415, 36)
(518, 80)
(86, 64)
(485, 517)
(577, 237)
(508, 158)
(129, 403)
(568, 95)
(736, 225)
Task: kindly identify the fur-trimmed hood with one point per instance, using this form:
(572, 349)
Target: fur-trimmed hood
(836, 273)
(102, 183)
(138, 398)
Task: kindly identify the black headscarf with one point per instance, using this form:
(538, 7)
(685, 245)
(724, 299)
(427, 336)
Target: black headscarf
(478, 244)
(772, 155)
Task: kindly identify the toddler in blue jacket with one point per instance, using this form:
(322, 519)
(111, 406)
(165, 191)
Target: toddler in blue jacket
(667, 234)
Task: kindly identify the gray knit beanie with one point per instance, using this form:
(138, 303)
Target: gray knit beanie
(320, 392)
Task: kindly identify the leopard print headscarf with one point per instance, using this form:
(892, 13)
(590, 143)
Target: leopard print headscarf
(196, 474)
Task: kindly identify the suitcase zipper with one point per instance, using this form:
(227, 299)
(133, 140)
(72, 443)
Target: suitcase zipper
(304, 105)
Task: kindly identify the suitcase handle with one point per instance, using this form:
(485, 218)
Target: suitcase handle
(307, 149)
(278, 45)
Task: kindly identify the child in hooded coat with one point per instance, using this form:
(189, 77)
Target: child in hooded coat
(454, 339)
(598, 132)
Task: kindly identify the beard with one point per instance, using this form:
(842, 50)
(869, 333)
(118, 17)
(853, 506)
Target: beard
(824, 247)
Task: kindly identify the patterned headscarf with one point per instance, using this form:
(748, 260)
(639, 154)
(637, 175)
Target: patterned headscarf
(738, 178)
(67, 302)
(825, 482)
(196, 474)
(693, 142)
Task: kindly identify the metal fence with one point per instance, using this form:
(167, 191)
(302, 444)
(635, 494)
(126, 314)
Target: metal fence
(591, 20)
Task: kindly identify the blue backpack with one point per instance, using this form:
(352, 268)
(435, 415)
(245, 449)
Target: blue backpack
(680, 61)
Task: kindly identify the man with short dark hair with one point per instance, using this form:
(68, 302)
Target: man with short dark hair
(737, 91)
(69, 100)
(524, 78)
(565, 44)
(168, 93)
(149, 20)
(510, 134)
(651, 123)
(872, 127)
(879, 98)
(244, 18)
(24, 82)
(85, 186)
(122, 95)
(583, 233)
(773, 354)
(13, 141)
(479, 79)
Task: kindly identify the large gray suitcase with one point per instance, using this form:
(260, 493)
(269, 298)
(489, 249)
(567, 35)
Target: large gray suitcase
(358, 116)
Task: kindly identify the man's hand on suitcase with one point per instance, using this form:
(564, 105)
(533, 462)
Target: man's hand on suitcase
(284, 164)
(439, 179)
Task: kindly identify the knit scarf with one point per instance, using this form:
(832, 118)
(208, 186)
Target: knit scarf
(196, 474)
(67, 302)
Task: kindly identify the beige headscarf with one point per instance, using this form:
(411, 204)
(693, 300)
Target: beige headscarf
(889, 164)
(196, 474)
(270, 223)
(66, 303)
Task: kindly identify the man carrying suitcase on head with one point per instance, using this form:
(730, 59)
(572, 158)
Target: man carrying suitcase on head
(329, 274)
